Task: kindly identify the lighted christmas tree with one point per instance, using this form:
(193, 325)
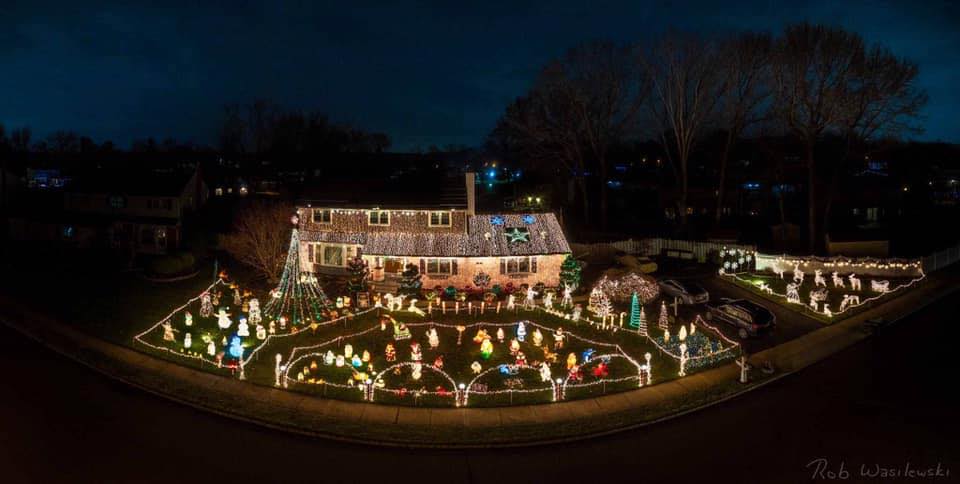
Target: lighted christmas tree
(410, 280)
(570, 272)
(636, 316)
(663, 323)
(359, 273)
(298, 297)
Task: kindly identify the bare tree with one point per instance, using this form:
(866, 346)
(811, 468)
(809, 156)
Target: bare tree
(812, 69)
(883, 101)
(745, 66)
(580, 106)
(260, 237)
(687, 83)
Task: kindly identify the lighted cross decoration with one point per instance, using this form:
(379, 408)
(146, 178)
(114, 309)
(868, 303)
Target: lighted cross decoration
(516, 235)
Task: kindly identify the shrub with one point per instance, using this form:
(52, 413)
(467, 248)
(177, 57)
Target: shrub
(497, 290)
(450, 292)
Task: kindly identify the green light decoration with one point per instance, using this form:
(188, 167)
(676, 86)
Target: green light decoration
(636, 316)
(516, 235)
(298, 297)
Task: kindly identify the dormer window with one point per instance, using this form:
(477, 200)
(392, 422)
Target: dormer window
(322, 216)
(440, 219)
(379, 217)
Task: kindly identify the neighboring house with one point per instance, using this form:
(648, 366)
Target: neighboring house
(140, 211)
(434, 226)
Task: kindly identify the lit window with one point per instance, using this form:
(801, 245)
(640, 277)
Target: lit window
(117, 201)
(379, 217)
(440, 219)
(322, 216)
(332, 255)
(441, 266)
(518, 265)
(218, 192)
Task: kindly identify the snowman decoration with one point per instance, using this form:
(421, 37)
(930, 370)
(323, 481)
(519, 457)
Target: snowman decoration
(223, 319)
(545, 372)
(433, 338)
(243, 329)
(261, 332)
(521, 331)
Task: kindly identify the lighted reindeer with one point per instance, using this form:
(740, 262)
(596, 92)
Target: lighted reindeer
(816, 297)
(838, 280)
(818, 278)
(854, 282)
(797, 273)
(849, 300)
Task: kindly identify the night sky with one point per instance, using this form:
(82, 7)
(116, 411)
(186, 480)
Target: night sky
(425, 74)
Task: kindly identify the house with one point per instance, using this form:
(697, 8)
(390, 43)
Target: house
(138, 210)
(433, 224)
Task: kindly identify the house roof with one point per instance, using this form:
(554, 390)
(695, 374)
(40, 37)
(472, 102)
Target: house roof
(425, 191)
(486, 236)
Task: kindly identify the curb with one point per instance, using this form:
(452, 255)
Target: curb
(419, 444)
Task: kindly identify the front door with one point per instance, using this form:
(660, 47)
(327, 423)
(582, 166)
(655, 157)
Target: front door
(392, 265)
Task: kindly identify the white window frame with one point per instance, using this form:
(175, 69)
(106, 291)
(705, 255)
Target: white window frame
(379, 215)
(439, 264)
(313, 216)
(440, 214)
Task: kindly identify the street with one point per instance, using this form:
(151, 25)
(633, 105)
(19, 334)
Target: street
(887, 402)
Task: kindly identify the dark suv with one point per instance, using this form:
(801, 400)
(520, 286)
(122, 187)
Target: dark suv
(749, 318)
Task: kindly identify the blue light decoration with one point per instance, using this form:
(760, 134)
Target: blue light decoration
(509, 369)
(529, 219)
(517, 235)
(496, 220)
(588, 354)
(236, 347)
(492, 174)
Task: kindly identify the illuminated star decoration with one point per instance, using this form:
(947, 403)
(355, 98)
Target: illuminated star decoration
(529, 219)
(516, 235)
(496, 220)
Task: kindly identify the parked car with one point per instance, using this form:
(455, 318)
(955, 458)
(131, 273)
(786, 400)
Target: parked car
(748, 317)
(687, 292)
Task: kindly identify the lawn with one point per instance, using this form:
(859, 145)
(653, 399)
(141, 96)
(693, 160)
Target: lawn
(774, 288)
(608, 360)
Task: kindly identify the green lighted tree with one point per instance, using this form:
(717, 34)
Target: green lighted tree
(636, 316)
(570, 272)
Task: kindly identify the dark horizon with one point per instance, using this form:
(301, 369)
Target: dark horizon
(426, 76)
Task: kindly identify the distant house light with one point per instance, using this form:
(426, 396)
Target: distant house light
(218, 192)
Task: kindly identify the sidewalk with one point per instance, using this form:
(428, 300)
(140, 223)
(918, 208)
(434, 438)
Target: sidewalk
(449, 427)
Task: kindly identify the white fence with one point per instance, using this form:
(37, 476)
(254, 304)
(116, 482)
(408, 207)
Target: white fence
(939, 260)
(684, 249)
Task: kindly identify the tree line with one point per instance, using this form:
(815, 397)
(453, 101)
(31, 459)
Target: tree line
(804, 83)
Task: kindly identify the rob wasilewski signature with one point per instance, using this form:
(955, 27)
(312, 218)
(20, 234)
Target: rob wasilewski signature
(823, 470)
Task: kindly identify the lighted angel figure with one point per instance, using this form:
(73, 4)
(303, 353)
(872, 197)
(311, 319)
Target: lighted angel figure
(567, 296)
